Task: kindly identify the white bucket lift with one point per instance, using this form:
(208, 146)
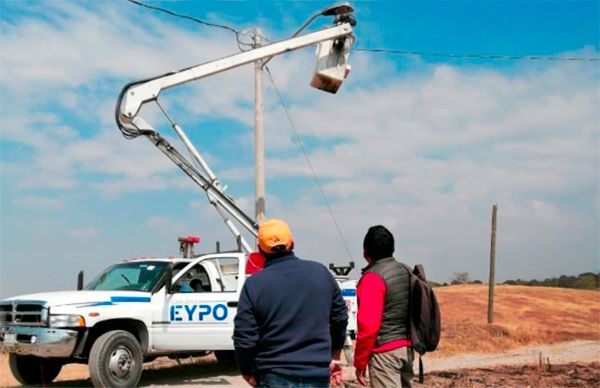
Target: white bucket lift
(332, 64)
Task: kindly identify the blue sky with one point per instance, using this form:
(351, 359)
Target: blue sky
(424, 145)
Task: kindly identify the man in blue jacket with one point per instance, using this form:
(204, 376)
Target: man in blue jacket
(291, 318)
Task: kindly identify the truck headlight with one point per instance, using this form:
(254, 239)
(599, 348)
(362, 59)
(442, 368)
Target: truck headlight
(66, 320)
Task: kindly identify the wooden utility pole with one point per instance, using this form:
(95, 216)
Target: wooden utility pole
(492, 280)
(259, 136)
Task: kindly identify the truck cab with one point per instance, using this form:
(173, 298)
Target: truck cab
(133, 311)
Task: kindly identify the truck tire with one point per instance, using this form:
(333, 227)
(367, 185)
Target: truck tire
(226, 357)
(29, 370)
(116, 360)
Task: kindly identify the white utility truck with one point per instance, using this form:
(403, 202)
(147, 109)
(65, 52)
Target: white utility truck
(140, 309)
(132, 312)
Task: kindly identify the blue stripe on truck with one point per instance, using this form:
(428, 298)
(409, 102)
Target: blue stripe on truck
(141, 299)
(96, 304)
(348, 292)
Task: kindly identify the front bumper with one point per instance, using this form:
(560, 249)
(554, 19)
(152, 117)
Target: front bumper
(37, 341)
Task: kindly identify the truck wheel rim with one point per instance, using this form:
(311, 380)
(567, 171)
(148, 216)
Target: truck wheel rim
(120, 363)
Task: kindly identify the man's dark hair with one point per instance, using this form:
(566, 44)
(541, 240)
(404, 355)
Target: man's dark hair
(277, 252)
(378, 243)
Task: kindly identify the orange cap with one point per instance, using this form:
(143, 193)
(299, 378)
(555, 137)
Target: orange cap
(272, 233)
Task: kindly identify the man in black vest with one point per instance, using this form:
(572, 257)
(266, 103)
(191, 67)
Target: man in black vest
(383, 295)
(291, 318)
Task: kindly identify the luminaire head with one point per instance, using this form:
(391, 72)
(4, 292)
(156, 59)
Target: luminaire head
(337, 9)
(342, 8)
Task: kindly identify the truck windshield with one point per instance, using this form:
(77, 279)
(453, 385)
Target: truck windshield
(140, 276)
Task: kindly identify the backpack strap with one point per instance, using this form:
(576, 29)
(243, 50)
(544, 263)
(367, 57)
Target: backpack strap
(421, 377)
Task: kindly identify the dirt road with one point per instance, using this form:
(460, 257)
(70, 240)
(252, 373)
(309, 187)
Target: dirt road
(561, 353)
(206, 372)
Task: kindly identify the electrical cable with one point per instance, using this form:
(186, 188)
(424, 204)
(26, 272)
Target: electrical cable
(301, 145)
(375, 50)
(196, 20)
(160, 9)
(477, 56)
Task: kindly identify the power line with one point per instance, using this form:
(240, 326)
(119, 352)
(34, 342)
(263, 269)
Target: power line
(376, 50)
(314, 174)
(208, 24)
(196, 20)
(477, 56)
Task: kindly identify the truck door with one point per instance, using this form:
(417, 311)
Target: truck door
(198, 314)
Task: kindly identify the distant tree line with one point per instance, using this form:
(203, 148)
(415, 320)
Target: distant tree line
(587, 280)
(457, 278)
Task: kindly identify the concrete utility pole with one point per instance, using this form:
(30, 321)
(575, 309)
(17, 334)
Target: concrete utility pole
(492, 280)
(259, 136)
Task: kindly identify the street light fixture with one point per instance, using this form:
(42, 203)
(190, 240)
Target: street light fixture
(342, 8)
(337, 9)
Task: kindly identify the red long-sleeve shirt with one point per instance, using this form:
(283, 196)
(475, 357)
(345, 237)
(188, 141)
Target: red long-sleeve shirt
(371, 292)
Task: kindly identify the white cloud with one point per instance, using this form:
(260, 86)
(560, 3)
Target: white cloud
(429, 155)
(426, 152)
(34, 201)
(82, 43)
(83, 47)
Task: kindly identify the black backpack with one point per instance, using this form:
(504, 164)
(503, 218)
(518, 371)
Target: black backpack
(425, 321)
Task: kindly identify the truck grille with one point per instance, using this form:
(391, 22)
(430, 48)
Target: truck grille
(26, 313)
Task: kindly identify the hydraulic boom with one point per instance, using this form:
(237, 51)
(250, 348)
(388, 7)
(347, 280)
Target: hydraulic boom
(332, 68)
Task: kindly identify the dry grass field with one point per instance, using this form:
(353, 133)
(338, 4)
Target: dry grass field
(523, 316)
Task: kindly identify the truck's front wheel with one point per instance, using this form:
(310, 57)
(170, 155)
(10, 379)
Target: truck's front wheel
(30, 370)
(116, 360)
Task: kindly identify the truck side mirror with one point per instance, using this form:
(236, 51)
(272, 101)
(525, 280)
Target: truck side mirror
(169, 279)
(80, 281)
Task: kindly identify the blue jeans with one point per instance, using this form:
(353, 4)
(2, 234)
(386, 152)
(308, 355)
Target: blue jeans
(273, 380)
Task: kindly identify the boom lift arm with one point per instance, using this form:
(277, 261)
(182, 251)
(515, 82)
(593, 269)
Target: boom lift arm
(337, 39)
